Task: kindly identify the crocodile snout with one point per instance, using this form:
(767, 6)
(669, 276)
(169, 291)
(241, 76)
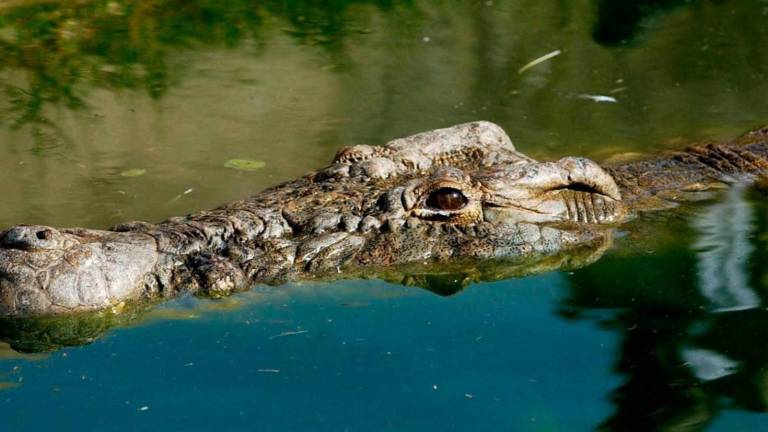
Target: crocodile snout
(48, 271)
(34, 238)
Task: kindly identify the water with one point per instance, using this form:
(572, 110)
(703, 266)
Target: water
(664, 331)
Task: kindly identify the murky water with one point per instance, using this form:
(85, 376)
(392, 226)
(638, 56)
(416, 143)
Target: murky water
(113, 111)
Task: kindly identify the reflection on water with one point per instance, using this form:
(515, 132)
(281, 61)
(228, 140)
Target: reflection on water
(662, 333)
(680, 372)
(56, 332)
(691, 327)
(619, 22)
(723, 241)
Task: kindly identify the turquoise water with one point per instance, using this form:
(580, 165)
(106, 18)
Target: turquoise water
(113, 111)
(395, 359)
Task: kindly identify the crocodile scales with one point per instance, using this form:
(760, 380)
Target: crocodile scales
(463, 192)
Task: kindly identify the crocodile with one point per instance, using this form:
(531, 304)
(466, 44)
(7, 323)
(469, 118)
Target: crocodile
(462, 193)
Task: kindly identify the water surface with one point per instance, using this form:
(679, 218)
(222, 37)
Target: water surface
(113, 111)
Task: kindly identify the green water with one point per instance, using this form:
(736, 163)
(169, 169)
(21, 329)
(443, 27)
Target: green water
(114, 111)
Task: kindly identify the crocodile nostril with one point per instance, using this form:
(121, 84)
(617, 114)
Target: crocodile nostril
(30, 237)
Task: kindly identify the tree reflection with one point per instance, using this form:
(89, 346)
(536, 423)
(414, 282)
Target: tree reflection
(53, 53)
(119, 44)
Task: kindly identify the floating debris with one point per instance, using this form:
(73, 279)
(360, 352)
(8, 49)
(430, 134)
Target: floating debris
(539, 61)
(288, 333)
(118, 308)
(144, 408)
(598, 98)
(4, 385)
(245, 164)
(354, 304)
(133, 172)
(268, 370)
(179, 196)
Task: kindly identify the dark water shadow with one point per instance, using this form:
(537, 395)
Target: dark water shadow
(624, 23)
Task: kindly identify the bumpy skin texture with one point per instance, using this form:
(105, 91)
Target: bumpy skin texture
(458, 193)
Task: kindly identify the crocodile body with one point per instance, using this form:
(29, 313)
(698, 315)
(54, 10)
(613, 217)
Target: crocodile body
(461, 193)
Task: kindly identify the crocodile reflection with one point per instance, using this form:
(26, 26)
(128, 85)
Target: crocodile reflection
(46, 334)
(690, 351)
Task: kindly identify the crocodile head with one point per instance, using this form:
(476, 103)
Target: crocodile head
(461, 192)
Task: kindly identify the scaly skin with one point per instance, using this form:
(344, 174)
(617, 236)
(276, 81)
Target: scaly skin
(457, 193)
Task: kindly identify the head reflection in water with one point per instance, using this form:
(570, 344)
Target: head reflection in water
(692, 321)
(723, 247)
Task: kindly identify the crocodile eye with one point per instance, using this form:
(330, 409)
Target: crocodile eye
(447, 199)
